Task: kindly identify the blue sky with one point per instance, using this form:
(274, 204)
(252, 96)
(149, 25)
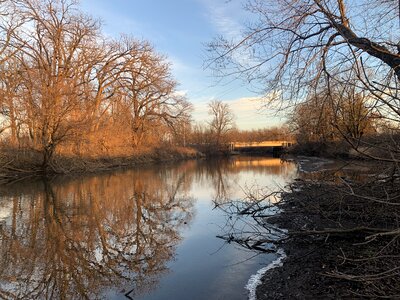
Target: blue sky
(180, 29)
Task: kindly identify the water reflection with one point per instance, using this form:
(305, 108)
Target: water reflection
(109, 234)
(81, 237)
(226, 174)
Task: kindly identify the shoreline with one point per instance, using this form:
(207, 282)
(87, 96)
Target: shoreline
(255, 280)
(317, 265)
(296, 276)
(26, 165)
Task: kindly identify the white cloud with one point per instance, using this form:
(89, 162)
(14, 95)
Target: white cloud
(246, 110)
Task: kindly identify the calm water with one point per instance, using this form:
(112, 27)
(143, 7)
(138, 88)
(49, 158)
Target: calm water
(148, 233)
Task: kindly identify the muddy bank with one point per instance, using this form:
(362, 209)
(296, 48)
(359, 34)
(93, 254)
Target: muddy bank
(20, 164)
(327, 253)
(299, 276)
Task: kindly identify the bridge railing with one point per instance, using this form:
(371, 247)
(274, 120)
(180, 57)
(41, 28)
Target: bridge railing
(237, 145)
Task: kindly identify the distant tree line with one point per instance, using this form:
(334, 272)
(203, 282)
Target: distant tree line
(220, 130)
(274, 133)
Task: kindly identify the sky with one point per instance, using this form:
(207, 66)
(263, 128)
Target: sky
(180, 30)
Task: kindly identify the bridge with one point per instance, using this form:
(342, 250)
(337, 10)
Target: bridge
(266, 146)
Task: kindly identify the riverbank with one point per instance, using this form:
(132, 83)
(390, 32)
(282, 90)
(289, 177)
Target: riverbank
(16, 164)
(343, 236)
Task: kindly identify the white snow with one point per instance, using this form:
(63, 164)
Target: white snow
(255, 279)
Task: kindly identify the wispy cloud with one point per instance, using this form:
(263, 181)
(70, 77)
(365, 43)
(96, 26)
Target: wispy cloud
(228, 19)
(222, 17)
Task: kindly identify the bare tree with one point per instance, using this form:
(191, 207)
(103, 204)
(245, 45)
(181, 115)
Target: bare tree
(294, 46)
(222, 120)
(332, 115)
(149, 91)
(54, 43)
(10, 23)
(10, 103)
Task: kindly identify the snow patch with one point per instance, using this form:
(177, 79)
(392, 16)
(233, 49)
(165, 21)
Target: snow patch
(255, 279)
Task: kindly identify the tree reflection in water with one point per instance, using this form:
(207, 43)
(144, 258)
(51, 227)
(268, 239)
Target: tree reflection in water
(225, 176)
(80, 238)
(106, 235)
(245, 217)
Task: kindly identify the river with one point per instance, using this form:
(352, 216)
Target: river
(143, 233)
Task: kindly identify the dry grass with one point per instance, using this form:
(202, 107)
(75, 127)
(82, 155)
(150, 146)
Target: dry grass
(17, 163)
